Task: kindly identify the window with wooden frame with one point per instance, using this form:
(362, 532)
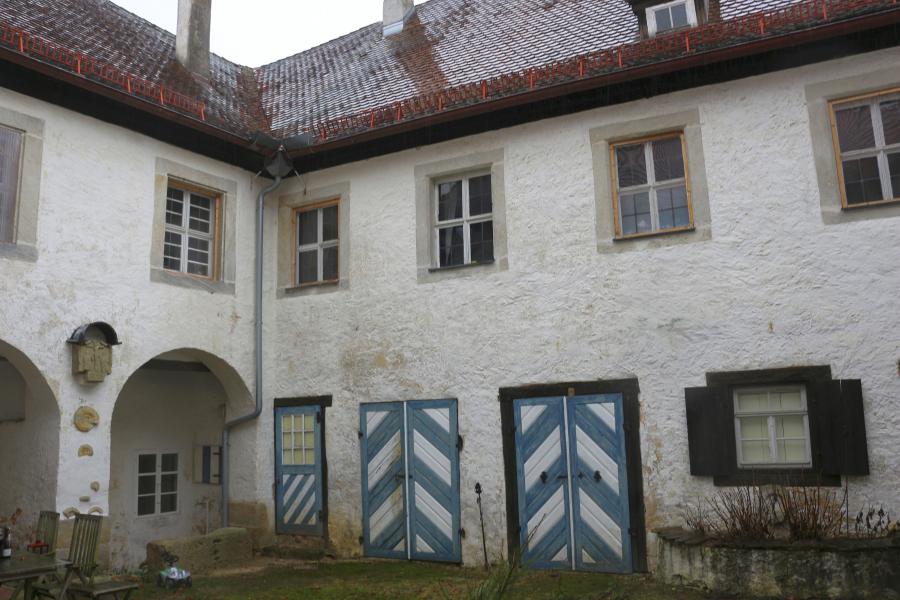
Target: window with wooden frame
(157, 483)
(662, 18)
(463, 221)
(192, 235)
(866, 136)
(316, 243)
(10, 159)
(771, 426)
(651, 189)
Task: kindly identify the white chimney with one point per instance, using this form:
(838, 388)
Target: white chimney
(192, 37)
(395, 14)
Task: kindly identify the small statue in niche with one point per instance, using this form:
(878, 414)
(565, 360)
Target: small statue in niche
(92, 351)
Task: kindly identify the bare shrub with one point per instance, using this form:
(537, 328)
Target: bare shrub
(694, 516)
(811, 512)
(742, 512)
(873, 522)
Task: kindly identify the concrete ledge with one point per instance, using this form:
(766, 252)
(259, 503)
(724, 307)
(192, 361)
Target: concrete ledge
(851, 568)
(223, 548)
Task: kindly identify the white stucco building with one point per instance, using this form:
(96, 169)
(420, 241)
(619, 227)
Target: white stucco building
(602, 260)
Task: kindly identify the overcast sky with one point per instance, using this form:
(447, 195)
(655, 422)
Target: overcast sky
(256, 32)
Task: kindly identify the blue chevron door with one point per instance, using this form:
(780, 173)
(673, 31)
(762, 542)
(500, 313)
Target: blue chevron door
(410, 480)
(572, 485)
(433, 481)
(298, 470)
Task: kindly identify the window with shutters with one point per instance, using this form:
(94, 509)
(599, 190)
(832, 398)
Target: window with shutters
(157, 483)
(10, 160)
(317, 244)
(772, 427)
(651, 193)
(191, 244)
(794, 426)
(463, 221)
(663, 18)
(866, 136)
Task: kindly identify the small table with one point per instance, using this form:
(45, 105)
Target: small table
(28, 568)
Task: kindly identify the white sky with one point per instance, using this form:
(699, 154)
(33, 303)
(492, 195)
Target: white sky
(257, 32)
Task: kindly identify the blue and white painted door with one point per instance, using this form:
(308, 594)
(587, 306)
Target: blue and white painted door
(572, 483)
(298, 470)
(410, 478)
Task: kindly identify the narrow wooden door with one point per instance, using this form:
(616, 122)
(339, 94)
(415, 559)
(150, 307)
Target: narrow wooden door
(298, 470)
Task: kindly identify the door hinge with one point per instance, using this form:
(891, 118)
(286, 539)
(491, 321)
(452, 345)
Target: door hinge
(359, 434)
(319, 516)
(459, 443)
(462, 532)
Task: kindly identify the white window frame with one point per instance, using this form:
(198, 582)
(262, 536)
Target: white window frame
(319, 245)
(302, 432)
(157, 492)
(186, 233)
(651, 186)
(466, 220)
(651, 15)
(14, 212)
(880, 151)
(770, 415)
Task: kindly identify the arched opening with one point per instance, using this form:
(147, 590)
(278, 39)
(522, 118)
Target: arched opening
(165, 450)
(29, 443)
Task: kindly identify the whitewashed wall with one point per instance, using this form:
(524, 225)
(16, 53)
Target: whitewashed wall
(773, 287)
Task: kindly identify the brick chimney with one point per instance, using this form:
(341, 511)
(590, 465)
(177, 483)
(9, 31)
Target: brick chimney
(396, 12)
(192, 37)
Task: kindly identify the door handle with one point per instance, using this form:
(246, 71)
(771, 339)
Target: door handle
(597, 476)
(543, 476)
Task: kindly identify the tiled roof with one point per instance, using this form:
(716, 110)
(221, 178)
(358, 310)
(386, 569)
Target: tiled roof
(446, 43)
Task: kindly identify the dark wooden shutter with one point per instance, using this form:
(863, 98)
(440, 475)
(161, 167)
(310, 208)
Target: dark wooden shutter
(837, 427)
(710, 423)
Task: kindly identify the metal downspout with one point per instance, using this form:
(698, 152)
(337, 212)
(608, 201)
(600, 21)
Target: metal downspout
(257, 309)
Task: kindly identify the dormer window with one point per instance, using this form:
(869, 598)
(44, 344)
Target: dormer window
(663, 18)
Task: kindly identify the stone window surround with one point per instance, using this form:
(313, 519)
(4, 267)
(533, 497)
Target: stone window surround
(27, 203)
(227, 189)
(425, 177)
(818, 97)
(601, 138)
(287, 285)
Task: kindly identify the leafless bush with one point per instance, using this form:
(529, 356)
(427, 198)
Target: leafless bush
(811, 512)
(694, 517)
(742, 512)
(872, 522)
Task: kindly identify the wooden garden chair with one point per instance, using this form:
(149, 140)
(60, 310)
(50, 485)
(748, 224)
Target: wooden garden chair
(44, 539)
(83, 559)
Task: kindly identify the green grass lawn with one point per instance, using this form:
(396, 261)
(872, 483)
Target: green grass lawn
(394, 580)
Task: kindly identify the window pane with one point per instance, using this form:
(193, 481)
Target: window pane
(174, 206)
(309, 423)
(450, 246)
(298, 457)
(480, 195)
(667, 159)
(792, 451)
(752, 402)
(632, 165)
(894, 168)
(147, 484)
(201, 214)
(663, 20)
(310, 457)
(287, 457)
(854, 126)
(756, 452)
(309, 440)
(679, 15)
(286, 423)
(172, 251)
(786, 400)
(790, 426)
(861, 180)
(330, 263)
(308, 266)
(673, 211)
(287, 441)
(308, 227)
(147, 463)
(890, 120)
(481, 236)
(450, 200)
(198, 269)
(10, 151)
(635, 213)
(169, 462)
(146, 505)
(169, 483)
(168, 503)
(754, 428)
(329, 223)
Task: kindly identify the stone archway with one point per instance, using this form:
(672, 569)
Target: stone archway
(166, 434)
(29, 443)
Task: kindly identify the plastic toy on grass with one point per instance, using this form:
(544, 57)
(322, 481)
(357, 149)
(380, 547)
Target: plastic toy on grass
(172, 577)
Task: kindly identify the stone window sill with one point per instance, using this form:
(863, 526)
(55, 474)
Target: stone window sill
(18, 251)
(187, 281)
(310, 289)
